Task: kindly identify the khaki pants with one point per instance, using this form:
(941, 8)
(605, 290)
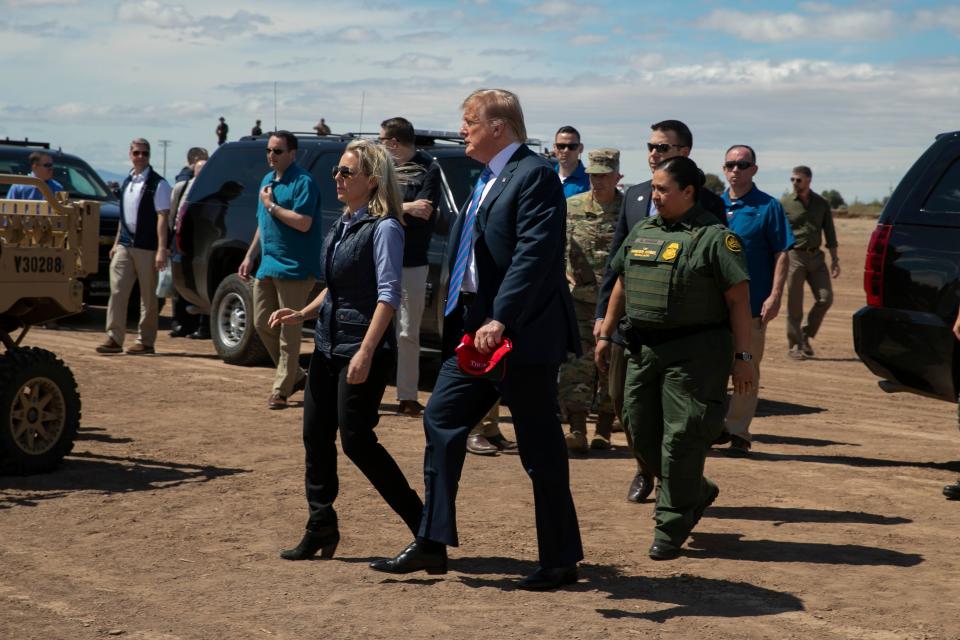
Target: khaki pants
(127, 266)
(744, 405)
(489, 426)
(283, 342)
(414, 286)
(809, 268)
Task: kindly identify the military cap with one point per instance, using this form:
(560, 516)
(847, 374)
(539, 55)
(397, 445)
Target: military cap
(604, 160)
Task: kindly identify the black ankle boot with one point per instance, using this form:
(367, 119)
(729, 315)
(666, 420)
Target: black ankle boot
(324, 540)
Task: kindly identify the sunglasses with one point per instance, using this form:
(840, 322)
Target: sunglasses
(743, 165)
(569, 146)
(275, 151)
(46, 165)
(796, 180)
(346, 172)
(140, 154)
(663, 147)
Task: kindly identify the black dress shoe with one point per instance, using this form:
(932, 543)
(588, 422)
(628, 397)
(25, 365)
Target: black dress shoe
(547, 579)
(414, 558)
(640, 487)
(480, 446)
(501, 443)
(952, 491)
(202, 333)
(663, 550)
(178, 332)
(324, 540)
(723, 438)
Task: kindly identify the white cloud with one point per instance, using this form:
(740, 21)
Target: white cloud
(352, 35)
(585, 39)
(180, 20)
(418, 62)
(780, 27)
(943, 18)
(556, 8)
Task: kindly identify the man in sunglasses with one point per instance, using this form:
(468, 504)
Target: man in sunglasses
(567, 149)
(287, 241)
(759, 220)
(419, 177)
(668, 139)
(140, 251)
(41, 166)
(810, 220)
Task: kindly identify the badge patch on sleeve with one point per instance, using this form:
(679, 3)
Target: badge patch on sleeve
(733, 243)
(670, 253)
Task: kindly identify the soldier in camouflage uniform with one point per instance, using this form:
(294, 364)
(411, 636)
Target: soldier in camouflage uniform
(591, 221)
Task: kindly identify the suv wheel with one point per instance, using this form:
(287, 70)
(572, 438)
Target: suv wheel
(231, 324)
(39, 411)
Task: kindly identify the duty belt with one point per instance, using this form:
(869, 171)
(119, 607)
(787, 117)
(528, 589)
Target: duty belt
(807, 249)
(646, 337)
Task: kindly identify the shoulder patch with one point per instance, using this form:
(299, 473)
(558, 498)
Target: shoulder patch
(732, 242)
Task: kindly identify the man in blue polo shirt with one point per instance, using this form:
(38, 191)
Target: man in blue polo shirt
(759, 220)
(41, 166)
(567, 148)
(288, 240)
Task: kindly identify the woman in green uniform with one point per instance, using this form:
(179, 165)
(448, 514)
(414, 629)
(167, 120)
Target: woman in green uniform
(683, 296)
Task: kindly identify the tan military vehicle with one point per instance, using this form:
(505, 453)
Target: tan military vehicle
(46, 246)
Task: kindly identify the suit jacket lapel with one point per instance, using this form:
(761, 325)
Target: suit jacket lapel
(501, 182)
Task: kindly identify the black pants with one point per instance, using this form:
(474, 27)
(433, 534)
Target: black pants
(330, 402)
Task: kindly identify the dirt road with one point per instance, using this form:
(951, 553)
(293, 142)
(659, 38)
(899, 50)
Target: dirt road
(166, 521)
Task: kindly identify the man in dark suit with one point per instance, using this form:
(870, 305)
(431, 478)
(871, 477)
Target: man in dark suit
(668, 139)
(507, 280)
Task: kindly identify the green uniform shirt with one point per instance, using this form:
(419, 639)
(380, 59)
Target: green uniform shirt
(675, 274)
(807, 222)
(590, 229)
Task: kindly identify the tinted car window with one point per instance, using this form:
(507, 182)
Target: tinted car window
(328, 187)
(244, 165)
(462, 174)
(79, 179)
(16, 165)
(945, 197)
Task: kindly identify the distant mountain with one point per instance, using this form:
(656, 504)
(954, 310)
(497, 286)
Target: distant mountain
(110, 175)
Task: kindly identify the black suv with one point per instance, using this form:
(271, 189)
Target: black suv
(82, 182)
(912, 280)
(220, 220)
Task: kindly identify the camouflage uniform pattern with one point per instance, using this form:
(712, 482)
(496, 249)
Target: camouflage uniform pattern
(590, 228)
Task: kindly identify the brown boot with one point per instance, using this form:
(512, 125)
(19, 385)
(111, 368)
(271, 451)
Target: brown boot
(577, 438)
(601, 437)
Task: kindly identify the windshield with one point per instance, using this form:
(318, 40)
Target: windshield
(74, 174)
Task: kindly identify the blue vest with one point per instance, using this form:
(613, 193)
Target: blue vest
(351, 279)
(145, 237)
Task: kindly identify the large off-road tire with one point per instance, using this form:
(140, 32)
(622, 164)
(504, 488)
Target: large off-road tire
(39, 411)
(231, 324)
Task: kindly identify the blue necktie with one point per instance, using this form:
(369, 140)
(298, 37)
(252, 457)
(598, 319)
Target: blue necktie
(466, 243)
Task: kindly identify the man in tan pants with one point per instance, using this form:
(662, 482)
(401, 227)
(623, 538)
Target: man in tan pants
(139, 252)
(288, 240)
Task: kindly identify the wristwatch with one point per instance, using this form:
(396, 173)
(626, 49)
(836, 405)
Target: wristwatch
(743, 355)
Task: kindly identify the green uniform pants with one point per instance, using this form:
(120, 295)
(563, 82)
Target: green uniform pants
(673, 406)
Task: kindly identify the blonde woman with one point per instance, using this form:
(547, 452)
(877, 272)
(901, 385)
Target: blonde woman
(355, 346)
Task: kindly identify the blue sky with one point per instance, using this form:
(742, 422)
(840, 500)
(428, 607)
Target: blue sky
(856, 90)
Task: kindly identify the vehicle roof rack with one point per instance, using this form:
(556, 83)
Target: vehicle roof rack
(26, 142)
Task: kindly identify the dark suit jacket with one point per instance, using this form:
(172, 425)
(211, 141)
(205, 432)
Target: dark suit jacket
(519, 242)
(636, 207)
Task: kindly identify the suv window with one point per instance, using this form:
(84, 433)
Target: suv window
(945, 196)
(462, 174)
(243, 165)
(79, 180)
(328, 186)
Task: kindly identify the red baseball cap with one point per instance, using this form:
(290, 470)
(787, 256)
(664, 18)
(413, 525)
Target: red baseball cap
(492, 366)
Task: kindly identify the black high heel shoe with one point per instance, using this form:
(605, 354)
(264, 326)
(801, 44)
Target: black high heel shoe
(324, 540)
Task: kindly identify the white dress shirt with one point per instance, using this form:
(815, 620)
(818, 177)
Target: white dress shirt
(134, 192)
(499, 161)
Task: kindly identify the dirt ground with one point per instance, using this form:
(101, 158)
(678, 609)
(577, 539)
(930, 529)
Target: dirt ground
(166, 520)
